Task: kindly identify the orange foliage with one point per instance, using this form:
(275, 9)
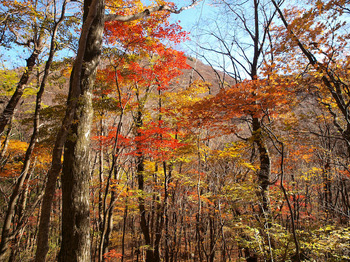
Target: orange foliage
(256, 98)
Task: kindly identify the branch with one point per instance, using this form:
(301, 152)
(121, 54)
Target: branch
(16, 34)
(148, 12)
(306, 52)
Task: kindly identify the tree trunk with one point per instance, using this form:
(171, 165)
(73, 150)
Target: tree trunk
(140, 168)
(6, 140)
(76, 175)
(125, 216)
(12, 104)
(10, 213)
(43, 234)
(107, 218)
(265, 164)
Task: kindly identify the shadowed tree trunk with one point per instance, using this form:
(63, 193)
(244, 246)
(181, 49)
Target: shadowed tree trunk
(140, 168)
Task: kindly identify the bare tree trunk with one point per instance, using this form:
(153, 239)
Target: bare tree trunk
(6, 140)
(199, 230)
(125, 216)
(76, 175)
(167, 177)
(140, 168)
(107, 218)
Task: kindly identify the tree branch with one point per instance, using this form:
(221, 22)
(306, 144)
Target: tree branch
(148, 12)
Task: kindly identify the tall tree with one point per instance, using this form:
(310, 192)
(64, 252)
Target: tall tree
(75, 177)
(245, 51)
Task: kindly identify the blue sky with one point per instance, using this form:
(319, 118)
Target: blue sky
(193, 20)
(189, 20)
(190, 17)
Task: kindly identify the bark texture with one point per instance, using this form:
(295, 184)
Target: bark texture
(265, 164)
(76, 176)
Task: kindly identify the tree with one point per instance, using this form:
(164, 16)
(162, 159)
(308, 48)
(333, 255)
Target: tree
(255, 32)
(317, 34)
(246, 51)
(75, 178)
(6, 235)
(143, 67)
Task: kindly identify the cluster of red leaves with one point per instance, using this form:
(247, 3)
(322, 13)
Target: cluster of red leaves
(152, 62)
(143, 35)
(154, 140)
(165, 65)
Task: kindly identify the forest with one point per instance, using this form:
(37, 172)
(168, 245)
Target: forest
(126, 137)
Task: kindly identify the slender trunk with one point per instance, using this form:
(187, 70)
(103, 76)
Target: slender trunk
(143, 220)
(212, 234)
(6, 234)
(140, 168)
(109, 225)
(43, 233)
(296, 242)
(223, 248)
(8, 112)
(124, 228)
(104, 216)
(199, 211)
(101, 180)
(166, 212)
(107, 219)
(76, 175)
(160, 215)
(327, 188)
